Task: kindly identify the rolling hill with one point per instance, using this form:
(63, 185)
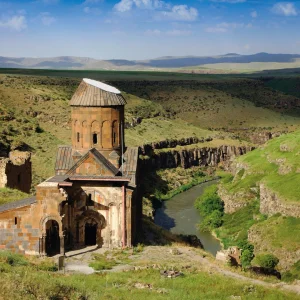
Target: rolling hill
(232, 61)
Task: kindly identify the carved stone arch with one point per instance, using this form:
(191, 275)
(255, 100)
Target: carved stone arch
(88, 219)
(47, 218)
(92, 214)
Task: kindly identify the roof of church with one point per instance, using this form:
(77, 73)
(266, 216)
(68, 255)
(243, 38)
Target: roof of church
(64, 159)
(95, 93)
(17, 204)
(100, 158)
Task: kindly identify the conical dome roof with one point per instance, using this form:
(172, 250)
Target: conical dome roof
(96, 93)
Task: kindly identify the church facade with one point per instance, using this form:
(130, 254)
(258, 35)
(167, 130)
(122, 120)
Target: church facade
(93, 197)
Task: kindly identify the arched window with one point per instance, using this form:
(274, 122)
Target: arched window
(95, 138)
(115, 133)
(78, 137)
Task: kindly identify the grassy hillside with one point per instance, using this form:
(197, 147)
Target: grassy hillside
(35, 114)
(277, 164)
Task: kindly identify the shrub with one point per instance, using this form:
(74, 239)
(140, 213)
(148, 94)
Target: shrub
(267, 261)
(246, 258)
(13, 259)
(101, 262)
(211, 207)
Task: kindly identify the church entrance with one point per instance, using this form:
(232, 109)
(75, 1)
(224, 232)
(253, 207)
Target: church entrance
(52, 238)
(90, 233)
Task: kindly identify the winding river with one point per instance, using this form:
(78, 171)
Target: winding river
(180, 216)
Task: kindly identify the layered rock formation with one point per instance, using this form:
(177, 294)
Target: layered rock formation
(185, 158)
(271, 204)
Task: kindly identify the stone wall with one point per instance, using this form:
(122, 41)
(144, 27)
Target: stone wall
(16, 234)
(15, 171)
(271, 204)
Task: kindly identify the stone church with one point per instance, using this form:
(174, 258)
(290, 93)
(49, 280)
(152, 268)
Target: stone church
(93, 197)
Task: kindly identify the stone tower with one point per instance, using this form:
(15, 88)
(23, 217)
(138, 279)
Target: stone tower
(97, 112)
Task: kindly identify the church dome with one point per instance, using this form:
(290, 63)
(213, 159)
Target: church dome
(96, 94)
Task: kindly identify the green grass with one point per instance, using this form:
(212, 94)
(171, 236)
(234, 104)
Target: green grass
(276, 164)
(9, 195)
(24, 282)
(280, 232)
(101, 262)
(236, 225)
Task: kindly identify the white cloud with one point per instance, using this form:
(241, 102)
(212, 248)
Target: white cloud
(254, 14)
(47, 19)
(229, 1)
(87, 2)
(225, 27)
(154, 32)
(127, 5)
(180, 13)
(175, 32)
(48, 1)
(17, 23)
(285, 8)
(92, 10)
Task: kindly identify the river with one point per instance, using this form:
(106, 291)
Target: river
(180, 216)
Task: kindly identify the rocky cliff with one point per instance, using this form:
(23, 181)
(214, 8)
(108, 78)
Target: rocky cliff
(271, 204)
(185, 158)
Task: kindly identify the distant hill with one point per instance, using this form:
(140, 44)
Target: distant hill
(232, 61)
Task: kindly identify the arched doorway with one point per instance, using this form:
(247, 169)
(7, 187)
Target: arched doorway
(91, 232)
(52, 238)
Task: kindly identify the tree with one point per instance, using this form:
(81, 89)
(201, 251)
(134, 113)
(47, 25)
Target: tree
(267, 261)
(246, 258)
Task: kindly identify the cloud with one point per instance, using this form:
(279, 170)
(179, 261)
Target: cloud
(225, 27)
(180, 13)
(48, 2)
(127, 5)
(88, 2)
(47, 19)
(285, 8)
(229, 1)
(92, 10)
(175, 32)
(254, 14)
(16, 23)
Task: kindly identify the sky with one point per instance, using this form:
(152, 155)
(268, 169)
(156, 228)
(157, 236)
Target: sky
(144, 29)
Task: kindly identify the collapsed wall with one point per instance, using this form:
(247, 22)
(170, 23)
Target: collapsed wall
(15, 171)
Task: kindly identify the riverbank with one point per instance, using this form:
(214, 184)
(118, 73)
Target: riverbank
(180, 216)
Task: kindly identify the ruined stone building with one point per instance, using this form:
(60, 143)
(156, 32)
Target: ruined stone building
(93, 196)
(15, 171)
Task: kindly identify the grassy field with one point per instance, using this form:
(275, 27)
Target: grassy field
(26, 279)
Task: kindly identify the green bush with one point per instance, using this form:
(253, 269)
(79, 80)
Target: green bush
(246, 258)
(101, 262)
(209, 201)
(211, 208)
(267, 261)
(212, 221)
(13, 259)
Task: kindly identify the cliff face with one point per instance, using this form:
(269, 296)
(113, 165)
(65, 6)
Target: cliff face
(206, 156)
(271, 204)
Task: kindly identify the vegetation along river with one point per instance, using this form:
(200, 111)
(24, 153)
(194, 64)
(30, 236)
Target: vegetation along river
(180, 216)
